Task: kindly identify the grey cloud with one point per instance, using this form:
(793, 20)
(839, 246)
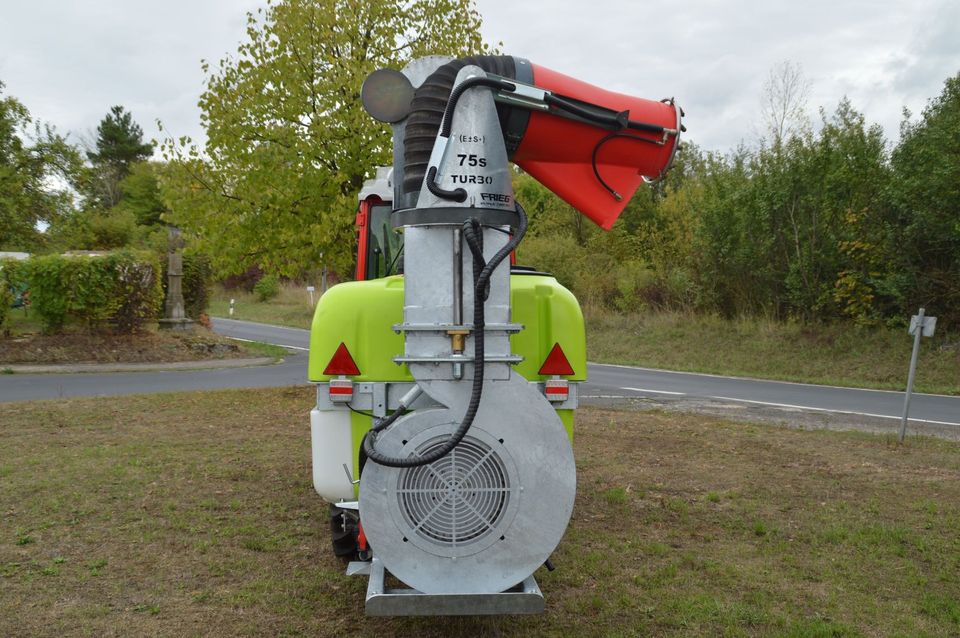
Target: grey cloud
(70, 61)
(715, 56)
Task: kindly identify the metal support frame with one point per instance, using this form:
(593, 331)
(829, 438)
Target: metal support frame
(381, 398)
(525, 598)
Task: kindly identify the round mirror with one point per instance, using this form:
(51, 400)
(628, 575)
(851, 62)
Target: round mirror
(386, 95)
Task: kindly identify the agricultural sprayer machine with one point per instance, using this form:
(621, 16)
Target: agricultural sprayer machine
(446, 394)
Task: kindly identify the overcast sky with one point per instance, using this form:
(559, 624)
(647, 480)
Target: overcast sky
(68, 62)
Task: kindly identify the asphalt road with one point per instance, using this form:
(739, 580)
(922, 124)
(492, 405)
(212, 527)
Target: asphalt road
(294, 338)
(292, 371)
(607, 382)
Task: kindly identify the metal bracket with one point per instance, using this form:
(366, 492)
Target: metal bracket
(525, 598)
(460, 358)
(524, 95)
(367, 396)
(358, 568)
(446, 327)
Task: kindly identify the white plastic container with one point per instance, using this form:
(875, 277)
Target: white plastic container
(332, 446)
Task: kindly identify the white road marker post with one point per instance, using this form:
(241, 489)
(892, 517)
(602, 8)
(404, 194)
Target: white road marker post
(920, 326)
(310, 289)
(232, 301)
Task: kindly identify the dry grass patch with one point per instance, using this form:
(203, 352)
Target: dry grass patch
(193, 514)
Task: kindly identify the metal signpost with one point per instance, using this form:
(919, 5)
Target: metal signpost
(920, 325)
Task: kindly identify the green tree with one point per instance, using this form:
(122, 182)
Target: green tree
(134, 222)
(119, 145)
(140, 193)
(926, 193)
(288, 143)
(95, 229)
(31, 162)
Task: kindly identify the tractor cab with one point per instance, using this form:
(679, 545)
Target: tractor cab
(379, 246)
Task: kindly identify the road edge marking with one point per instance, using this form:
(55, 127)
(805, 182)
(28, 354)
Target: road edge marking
(279, 345)
(805, 407)
(679, 394)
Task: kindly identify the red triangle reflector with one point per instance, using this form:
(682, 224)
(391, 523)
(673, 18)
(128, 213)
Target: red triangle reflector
(342, 363)
(556, 362)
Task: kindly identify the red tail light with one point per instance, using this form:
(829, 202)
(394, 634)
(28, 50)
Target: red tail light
(340, 390)
(556, 363)
(556, 389)
(342, 363)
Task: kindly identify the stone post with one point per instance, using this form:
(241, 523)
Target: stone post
(174, 317)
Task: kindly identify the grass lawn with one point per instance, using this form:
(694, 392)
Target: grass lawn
(290, 308)
(193, 514)
(834, 355)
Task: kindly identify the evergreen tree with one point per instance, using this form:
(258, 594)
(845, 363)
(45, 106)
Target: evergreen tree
(119, 145)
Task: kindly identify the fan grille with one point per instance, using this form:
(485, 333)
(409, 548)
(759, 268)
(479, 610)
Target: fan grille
(458, 499)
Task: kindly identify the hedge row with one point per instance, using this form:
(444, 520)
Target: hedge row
(6, 300)
(122, 287)
(13, 283)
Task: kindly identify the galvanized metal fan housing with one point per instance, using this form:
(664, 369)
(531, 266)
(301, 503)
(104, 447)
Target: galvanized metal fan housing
(485, 516)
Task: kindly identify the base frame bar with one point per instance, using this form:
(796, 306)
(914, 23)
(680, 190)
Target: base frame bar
(525, 598)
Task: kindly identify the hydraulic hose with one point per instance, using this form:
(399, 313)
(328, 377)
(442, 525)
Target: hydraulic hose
(462, 88)
(482, 271)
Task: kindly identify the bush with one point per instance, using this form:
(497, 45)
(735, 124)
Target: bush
(243, 281)
(136, 288)
(91, 298)
(6, 300)
(560, 256)
(634, 278)
(197, 279)
(13, 287)
(267, 288)
(123, 286)
(50, 289)
(14, 276)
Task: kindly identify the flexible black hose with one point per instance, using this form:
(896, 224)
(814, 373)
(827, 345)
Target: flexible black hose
(596, 150)
(462, 88)
(456, 195)
(482, 271)
(602, 117)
